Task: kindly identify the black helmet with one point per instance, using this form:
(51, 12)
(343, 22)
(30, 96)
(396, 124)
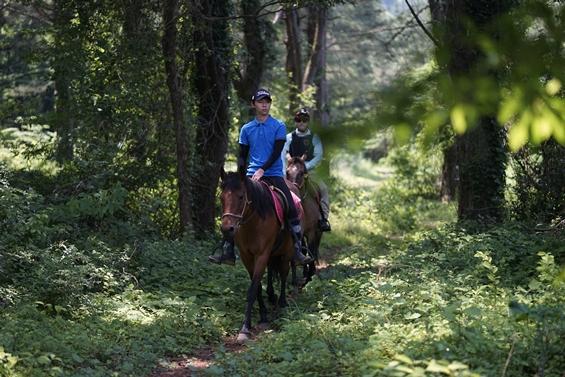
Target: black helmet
(302, 114)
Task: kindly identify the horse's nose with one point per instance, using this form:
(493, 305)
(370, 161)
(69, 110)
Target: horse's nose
(228, 230)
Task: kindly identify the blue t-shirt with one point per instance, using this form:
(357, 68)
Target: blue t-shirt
(260, 137)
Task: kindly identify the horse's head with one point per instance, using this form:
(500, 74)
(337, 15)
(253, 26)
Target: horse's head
(296, 170)
(234, 202)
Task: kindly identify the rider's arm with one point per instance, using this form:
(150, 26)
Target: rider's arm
(242, 159)
(279, 144)
(318, 153)
(286, 150)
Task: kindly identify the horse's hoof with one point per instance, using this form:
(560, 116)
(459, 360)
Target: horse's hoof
(242, 338)
(262, 326)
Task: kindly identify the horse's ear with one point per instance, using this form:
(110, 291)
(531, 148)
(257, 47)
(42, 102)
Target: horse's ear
(303, 157)
(288, 157)
(222, 174)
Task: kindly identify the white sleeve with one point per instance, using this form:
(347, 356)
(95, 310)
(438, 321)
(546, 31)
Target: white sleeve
(318, 153)
(285, 150)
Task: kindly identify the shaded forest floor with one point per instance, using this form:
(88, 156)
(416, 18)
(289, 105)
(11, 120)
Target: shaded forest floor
(198, 362)
(406, 291)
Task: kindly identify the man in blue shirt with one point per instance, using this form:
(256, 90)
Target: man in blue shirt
(261, 142)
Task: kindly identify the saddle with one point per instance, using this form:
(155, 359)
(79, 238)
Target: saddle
(281, 205)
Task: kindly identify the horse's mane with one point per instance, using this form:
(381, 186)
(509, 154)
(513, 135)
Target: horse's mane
(257, 193)
(297, 160)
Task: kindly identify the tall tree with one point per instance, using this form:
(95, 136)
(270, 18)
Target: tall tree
(134, 69)
(63, 72)
(481, 151)
(210, 79)
(174, 82)
(256, 36)
(293, 64)
(315, 71)
(304, 74)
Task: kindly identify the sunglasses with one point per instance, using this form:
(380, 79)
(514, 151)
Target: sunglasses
(301, 119)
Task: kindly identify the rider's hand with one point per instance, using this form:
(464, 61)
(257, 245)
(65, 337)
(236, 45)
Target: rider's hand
(258, 174)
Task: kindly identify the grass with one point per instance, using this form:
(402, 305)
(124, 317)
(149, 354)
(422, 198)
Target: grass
(405, 291)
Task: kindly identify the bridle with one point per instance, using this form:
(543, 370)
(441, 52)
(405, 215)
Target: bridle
(240, 217)
(305, 176)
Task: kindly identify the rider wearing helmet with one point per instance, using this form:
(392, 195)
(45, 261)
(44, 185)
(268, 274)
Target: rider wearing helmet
(260, 143)
(302, 142)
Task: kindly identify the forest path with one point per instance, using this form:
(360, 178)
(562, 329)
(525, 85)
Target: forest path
(196, 363)
(359, 173)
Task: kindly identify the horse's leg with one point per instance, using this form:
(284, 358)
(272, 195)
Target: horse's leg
(316, 251)
(258, 269)
(270, 290)
(262, 308)
(306, 270)
(283, 270)
(293, 274)
(251, 296)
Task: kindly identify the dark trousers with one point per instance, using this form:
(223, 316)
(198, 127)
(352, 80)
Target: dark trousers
(280, 183)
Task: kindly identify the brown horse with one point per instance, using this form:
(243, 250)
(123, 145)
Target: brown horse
(249, 218)
(296, 173)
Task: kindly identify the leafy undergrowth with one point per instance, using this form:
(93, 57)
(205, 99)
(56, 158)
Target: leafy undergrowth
(435, 299)
(406, 292)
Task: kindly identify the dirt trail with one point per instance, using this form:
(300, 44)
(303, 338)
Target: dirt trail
(196, 364)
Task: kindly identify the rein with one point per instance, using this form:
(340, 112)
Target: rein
(241, 221)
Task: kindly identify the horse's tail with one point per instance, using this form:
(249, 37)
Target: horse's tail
(275, 267)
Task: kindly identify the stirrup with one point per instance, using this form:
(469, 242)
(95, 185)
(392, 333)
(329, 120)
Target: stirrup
(324, 225)
(300, 258)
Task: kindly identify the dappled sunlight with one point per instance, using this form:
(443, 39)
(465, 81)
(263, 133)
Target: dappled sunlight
(36, 139)
(357, 171)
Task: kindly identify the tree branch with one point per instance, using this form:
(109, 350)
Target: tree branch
(436, 43)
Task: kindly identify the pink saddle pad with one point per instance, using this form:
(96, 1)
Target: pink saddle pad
(279, 205)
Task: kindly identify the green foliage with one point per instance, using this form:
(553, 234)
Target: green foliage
(536, 184)
(525, 93)
(436, 303)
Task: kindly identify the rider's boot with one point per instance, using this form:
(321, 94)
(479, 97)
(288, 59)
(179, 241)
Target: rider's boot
(298, 257)
(227, 256)
(325, 225)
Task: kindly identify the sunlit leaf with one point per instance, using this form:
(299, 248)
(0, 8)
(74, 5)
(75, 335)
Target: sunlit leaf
(458, 119)
(412, 316)
(541, 129)
(403, 359)
(434, 367)
(553, 86)
(518, 134)
(402, 133)
(456, 365)
(511, 105)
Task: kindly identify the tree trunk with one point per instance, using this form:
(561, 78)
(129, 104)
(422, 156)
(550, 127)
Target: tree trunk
(293, 57)
(169, 44)
(315, 72)
(62, 75)
(482, 157)
(210, 77)
(253, 64)
(133, 71)
(449, 174)
(553, 179)
(481, 150)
